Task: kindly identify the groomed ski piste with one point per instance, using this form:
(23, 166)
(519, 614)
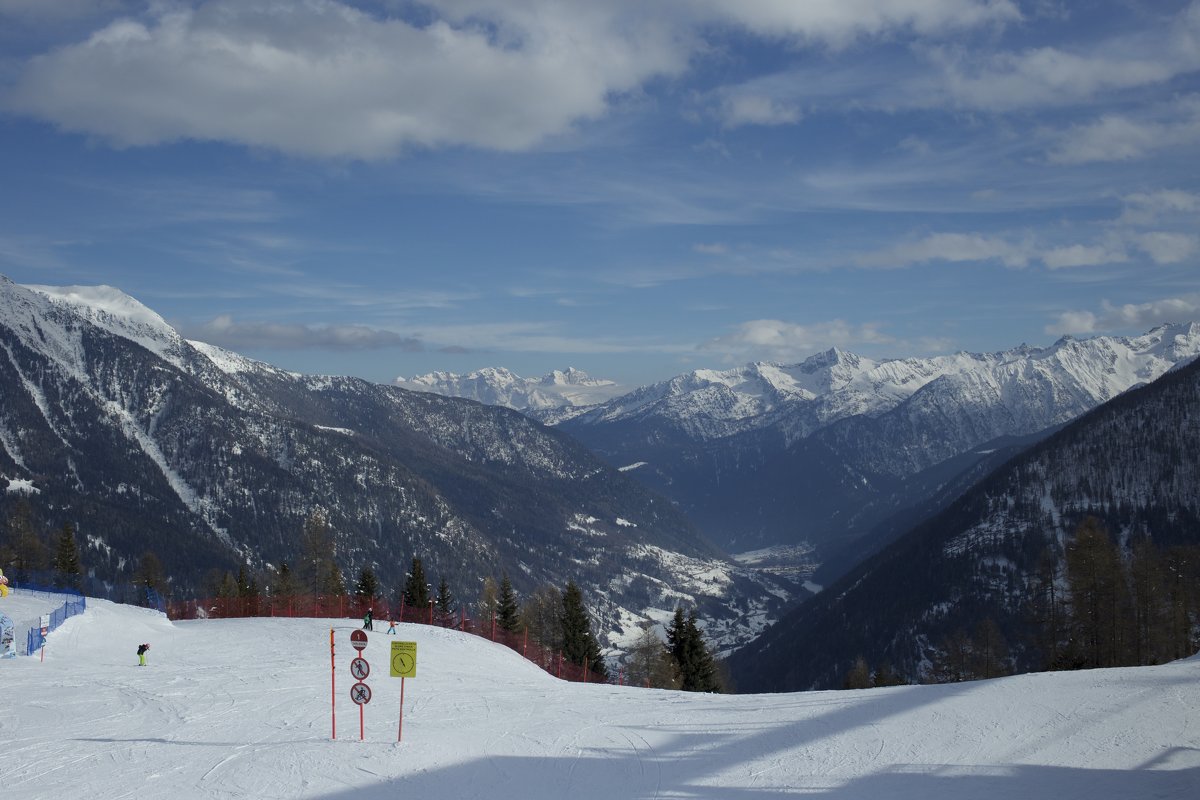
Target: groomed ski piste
(241, 709)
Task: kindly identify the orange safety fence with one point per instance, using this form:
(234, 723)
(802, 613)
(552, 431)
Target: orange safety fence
(349, 606)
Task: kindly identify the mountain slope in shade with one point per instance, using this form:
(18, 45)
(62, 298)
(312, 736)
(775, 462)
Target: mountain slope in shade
(811, 453)
(1131, 463)
(500, 387)
(148, 442)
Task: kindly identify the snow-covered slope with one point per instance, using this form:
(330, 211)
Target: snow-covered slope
(501, 387)
(240, 709)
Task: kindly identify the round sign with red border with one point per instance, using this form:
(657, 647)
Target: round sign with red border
(360, 669)
(358, 639)
(360, 693)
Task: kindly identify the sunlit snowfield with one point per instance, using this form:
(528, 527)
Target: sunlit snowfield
(241, 709)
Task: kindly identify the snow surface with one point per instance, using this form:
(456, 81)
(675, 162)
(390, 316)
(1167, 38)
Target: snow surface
(240, 709)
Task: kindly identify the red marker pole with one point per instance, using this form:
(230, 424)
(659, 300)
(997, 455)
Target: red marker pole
(332, 686)
(400, 730)
(361, 734)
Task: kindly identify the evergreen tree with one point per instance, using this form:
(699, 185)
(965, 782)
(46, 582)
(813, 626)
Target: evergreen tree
(508, 616)
(228, 588)
(416, 587)
(367, 587)
(579, 644)
(68, 574)
(444, 603)
(285, 582)
(333, 585)
(703, 670)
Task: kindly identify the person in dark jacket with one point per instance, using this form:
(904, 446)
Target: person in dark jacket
(367, 620)
(142, 648)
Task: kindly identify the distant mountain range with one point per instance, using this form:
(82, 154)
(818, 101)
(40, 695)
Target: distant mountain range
(500, 387)
(1130, 463)
(825, 452)
(148, 442)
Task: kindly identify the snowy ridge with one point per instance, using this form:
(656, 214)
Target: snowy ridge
(501, 387)
(119, 314)
(1039, 387)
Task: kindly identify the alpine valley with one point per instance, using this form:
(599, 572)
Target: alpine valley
(825, 461)
(870, 475)
(147, 442)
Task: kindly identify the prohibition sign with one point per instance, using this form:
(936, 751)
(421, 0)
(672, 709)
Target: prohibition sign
(360, 693)
(360, 669)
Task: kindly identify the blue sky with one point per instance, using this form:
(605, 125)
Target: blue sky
(631, 188)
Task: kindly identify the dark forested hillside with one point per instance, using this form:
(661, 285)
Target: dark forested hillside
(149, 444)
(1129, 468)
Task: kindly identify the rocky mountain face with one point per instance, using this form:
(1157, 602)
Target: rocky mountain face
(148, 442)
(500, 387)
(824, 452)
(1131, 464)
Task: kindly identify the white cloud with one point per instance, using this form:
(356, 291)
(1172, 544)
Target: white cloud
(746, 109)
(953, 247)
(322, 78)
(1148, 208)
(837, 22)
(777, 340)
(226, 332)
(1168, 248)
(1131, 315)
(1081, 255)
(1114, 137)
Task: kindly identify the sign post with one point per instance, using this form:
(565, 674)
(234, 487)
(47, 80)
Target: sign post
(332, 686)
(404, 665)
(360, 693)
(45, 633)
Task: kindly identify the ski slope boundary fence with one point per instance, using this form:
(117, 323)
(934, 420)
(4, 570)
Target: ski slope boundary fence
(348, 606)
(75, 604)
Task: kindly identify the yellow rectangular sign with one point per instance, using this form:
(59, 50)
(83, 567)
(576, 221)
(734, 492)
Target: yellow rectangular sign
(404, 659)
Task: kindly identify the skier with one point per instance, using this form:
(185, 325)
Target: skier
(142, 648)
(367, 620)
(391, 626)
(3, 584)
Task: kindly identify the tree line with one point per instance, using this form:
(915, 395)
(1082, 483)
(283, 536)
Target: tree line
(1093, 602)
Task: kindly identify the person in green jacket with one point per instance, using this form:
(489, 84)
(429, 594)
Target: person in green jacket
(367, 618)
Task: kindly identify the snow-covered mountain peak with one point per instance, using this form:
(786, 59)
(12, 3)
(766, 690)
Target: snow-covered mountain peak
(119, 314)
(502, 387)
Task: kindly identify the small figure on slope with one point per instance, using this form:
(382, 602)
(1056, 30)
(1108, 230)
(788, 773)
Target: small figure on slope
(142, 648)
(367, 620)
(391, 626)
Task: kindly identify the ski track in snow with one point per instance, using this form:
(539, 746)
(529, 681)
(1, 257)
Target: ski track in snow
(240, 709)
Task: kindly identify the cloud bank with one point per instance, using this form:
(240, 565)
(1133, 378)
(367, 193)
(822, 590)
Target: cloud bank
(324, 79)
